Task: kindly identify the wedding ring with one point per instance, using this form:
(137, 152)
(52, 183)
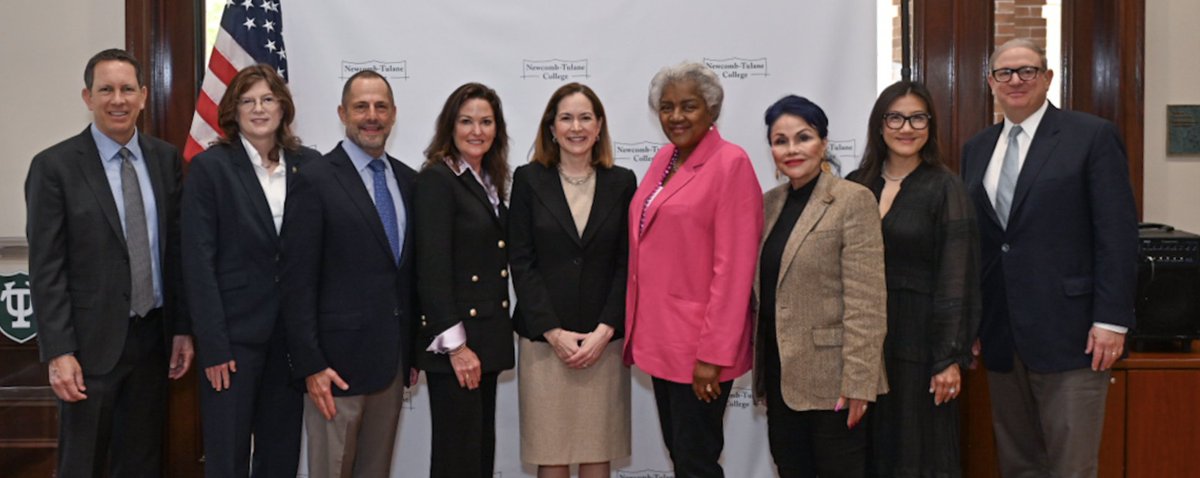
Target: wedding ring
(951, 390)
(1112, 353)
(708, 388)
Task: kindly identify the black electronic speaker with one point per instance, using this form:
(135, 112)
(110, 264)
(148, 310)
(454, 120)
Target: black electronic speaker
(1168, 289)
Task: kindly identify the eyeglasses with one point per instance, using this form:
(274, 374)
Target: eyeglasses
(896, 120)
(1025, 73)
(268, 102)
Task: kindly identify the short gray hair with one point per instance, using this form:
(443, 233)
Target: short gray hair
(707, 82)
(1019, 42)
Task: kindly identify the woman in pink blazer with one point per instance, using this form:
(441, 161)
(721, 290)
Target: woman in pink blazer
(694, 228)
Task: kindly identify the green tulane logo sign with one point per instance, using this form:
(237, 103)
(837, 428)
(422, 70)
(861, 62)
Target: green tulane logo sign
(16, 316)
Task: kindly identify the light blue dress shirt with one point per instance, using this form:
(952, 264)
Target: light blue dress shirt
(361, 159)
(111, 159)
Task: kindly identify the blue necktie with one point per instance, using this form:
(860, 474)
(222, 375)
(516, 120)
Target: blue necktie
(1010, 168)
(385, 206)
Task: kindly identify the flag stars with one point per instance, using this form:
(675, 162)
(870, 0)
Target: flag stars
(280, 71)
(271, 6)
(270, 45)
(282, 54)
(249, 24)
(265, 5)
(248, 4)
(228, 3)
(269, 26)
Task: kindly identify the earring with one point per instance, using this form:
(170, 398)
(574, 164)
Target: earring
(553, 139)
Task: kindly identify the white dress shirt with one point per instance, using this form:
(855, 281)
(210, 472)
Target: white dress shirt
(274, 182)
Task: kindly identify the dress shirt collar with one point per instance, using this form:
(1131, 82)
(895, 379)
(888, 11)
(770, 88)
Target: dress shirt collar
(360, 158)
(109, 147)
(256, 159)
(1029, 126)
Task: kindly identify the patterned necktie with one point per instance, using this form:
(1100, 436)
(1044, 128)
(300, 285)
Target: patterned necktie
(1009, 170)
(137, 240)
(385, 207)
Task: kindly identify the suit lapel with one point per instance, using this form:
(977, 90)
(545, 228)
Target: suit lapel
(1039, 154)
(249, 181)
(978, 167)
(468, 181)
(550, 193)
(351, 181)
(92, 167)
(158, 183)
(818, 203)
(603, 203)
(406, 196)
(684, 174)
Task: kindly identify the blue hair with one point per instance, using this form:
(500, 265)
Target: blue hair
(801, 107)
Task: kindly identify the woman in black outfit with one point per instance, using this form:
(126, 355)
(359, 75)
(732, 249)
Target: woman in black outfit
(931, 251)
(569, 243)
(462, 278)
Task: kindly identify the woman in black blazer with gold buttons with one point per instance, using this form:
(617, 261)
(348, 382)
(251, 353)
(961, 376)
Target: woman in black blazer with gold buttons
(569, 245)
(462, 279)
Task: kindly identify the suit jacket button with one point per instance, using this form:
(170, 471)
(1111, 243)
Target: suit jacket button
(474, 278)
(504, 303)
(503, 272)
(276, 279)
(1004, 248)
(396, 312)
(500, 244)
(576, 261)
(473, 312)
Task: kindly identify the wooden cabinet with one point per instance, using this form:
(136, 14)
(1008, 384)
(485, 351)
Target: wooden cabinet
(1151, 422)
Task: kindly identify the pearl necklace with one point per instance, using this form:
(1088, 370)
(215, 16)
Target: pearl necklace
(576, 181)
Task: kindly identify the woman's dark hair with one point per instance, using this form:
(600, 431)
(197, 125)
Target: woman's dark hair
(805, 109)
(495, 160)
(546, 151)
(227, 110)
(877, 150)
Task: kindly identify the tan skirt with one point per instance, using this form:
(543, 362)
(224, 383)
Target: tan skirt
(572, 415)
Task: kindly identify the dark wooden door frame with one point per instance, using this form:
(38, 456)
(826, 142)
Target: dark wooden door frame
(167, 35)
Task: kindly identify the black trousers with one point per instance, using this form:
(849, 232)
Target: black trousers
(694, 431)
(259, 402)
(120, 423)
(814, 443)
(464, 426)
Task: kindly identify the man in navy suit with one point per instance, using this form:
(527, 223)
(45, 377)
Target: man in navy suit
(1058, 232)
(349, 299)
(103, 230)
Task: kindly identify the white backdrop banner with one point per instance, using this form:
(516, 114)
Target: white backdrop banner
(526, 49)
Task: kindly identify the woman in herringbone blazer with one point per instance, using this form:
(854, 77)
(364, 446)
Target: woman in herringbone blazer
(822, 302)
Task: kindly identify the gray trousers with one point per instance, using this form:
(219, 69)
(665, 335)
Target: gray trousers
(359, 441)
(1048, 424)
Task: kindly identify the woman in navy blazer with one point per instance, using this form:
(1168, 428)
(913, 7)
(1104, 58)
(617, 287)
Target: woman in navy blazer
(465, 335)
(232, 210)
(569, 245)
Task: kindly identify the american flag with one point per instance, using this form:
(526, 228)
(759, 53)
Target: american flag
(251, 33)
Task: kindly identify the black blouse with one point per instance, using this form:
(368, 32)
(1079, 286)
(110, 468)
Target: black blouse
(772, 254)
(931, 252)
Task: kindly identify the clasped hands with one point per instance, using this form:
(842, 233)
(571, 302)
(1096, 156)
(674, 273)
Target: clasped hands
(578, 350)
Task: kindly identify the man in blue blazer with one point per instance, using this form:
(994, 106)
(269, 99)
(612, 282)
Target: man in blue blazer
(349, 301)
(103, 230)
(1058, 232)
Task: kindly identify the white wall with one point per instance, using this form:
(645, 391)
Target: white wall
(1172, 184)
(43, 49)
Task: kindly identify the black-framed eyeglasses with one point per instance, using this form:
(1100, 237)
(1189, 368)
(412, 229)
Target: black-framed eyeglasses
(896, 120)
(1025, 73)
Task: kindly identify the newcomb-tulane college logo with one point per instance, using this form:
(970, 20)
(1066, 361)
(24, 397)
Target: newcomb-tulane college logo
(16, 317)
(555, 69)
(738, 68)
(392, 70)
